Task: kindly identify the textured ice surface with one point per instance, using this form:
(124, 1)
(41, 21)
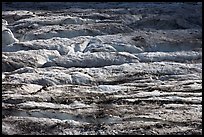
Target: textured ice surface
(101, 68)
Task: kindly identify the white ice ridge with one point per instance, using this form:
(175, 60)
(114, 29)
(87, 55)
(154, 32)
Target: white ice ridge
(77, 44)
(4, 22)
(31, 58)
(60, 75)
(52, 20)
(181, 56)
(96, 59)
(7, 37)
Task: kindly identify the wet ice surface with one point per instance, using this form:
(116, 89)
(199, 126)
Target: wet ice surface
(102, 68)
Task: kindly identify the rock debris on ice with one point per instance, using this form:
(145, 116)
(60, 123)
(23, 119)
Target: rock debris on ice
(98, 68)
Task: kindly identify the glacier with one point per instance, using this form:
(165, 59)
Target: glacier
(102, 68)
